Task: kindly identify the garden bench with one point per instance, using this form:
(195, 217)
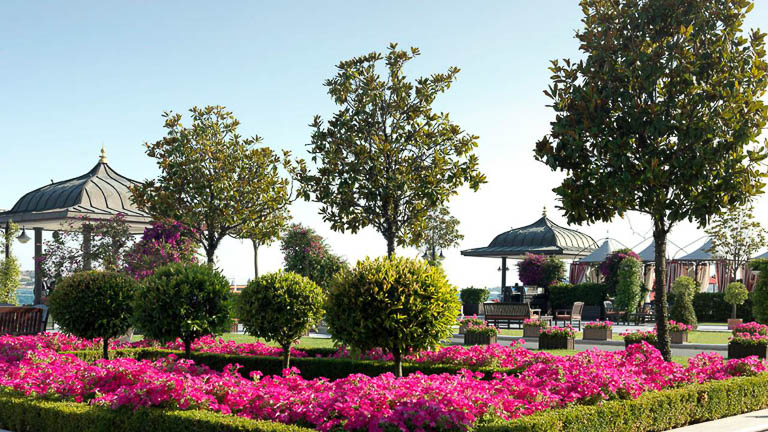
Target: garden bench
(497, 313)
(574, 314)
(15, 320)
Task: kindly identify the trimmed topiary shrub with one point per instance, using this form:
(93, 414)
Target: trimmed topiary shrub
(473, 295)
(94, 304)
(183, 301)
(735, 294)
(760, 292)
(628, 284)
(397, 304)
(683, 289)
(280, 307)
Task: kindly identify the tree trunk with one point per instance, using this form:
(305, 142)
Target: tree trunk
(398, 362)
(210, 254)
(286, 356)
(733, 311)
(105, 347)
(255, 259)
(390, 245)
(187, 348)
(660, 287)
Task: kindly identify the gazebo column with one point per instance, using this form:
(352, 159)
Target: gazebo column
(503, 273)
(7, 243)
(87, 264)
(38, 292)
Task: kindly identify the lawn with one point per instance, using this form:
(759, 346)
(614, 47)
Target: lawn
(305, 342)
(694, 337)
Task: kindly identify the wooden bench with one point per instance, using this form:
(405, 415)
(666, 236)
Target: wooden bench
(498, 313)
(15, 320)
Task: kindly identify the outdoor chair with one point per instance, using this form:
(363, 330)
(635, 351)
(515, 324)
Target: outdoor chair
(498, 313)
(610, 314)
(574, 314)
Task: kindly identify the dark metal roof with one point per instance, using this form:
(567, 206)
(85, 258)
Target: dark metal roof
(702, 253)
(542, 237)
(100, 193)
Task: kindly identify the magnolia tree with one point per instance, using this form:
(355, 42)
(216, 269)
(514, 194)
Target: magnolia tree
(736, 236)
(306, 253)
(438, 231)
(165, 242)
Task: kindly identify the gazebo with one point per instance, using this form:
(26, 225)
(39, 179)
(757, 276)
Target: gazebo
(580, 270)
(542, 237)
(101, 193)
(701, 258)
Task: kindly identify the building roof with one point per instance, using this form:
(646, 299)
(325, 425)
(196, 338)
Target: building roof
(763, 256)
(702, 253)
(542, 237)
(600, 254)
(99, 194)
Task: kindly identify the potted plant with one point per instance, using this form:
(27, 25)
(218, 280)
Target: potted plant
(466, 321)
(749, 339)
(482, 334)
(649, 336)
(557, 338)
(735, 294)
(598, 330)
(533, 326)
(678, 332)
(471, 298)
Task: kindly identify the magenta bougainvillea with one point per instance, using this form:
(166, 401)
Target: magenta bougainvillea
(165, 242)
(610, 266)
(538, 270)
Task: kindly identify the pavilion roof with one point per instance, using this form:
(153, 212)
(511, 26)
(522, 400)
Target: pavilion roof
(702, 253)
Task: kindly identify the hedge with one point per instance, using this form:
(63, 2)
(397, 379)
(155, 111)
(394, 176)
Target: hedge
(711, 307)
(654, 411)
(20, 413)
(563, 296)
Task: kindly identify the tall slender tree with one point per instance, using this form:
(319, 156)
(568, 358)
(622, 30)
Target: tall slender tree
(661, 116)
(736, 236)
(438, 231)
(386, 159)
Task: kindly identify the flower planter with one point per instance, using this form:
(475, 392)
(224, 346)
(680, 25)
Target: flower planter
(556, 342)
(602, 334)
(677, 337)
(734, 322)
(472, 309)
(737, 350)
(531, 331)
(479, 339)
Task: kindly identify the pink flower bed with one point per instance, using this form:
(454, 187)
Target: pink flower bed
(358, 402)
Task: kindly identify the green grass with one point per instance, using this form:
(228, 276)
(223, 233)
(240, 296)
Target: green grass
(694, 337)
(305, 342)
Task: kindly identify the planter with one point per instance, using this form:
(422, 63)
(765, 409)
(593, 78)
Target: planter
(479, 339)
(734, 322)
(601, 334)
(737, 350)
(677, 337)
(531, 332)
(471, 309)
(556, 342)
(462, 328)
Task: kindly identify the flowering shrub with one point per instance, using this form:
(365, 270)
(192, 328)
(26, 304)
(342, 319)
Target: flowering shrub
(358, 402)
(538, 270)
(481, 329)
(165, 242)
(535, 322)
(649, 336)
(598, 325)
(679, 327)
(567, 332)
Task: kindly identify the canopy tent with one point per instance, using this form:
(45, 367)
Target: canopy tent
(542, 237)
(99, 194)
(648, 255)
(600, 254)
(584, 269)
(763, 256)
(698, 262)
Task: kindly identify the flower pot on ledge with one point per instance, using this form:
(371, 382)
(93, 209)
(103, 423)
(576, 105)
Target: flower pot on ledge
(556, 342)
(737, 350)
(601, 334)
(734, 322)
(479, 339)
(678, 337)
(531, 331)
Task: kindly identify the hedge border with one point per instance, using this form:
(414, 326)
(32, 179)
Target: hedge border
(20, 414)
(652, 412)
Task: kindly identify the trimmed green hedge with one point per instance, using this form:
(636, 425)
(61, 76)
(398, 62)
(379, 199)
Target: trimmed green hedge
(19, 414)
(563, 296)
(711, 307)
(655, 411)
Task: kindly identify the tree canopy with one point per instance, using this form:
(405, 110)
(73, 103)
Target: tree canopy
(439, 230)
(736, 236)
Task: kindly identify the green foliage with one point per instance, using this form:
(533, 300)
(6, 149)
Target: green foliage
(215, 181)
(305, 252)
(438, 231)
(662, 115)
(736, 236)
(473, 295)
(397, 304)
(711, 307)
(563, 296)
(683, 290)
(94, 304)
(760, 292)
(628, 284)
(651, 412)
(540, 270)
(736, 293)
(10, 273)
(280, 307)
(24, 413)
(183, 301)
(385, 159)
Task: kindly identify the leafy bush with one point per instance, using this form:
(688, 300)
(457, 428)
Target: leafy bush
(280, 307)
(684, 289)
(563, 296)
(712, 307)
(183, 301)
(306, 253)
(628, 281)
(397, 304)
(735, 294)
(10, 272)
(94, 304)
(610, 268)
(760, 293)
(473, 295)
(538, 270)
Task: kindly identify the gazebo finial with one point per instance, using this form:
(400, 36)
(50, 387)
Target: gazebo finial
(103, 157)
(544, 212)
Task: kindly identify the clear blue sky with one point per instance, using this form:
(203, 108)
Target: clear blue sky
(74, 75)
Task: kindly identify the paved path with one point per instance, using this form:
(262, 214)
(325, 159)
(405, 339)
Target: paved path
(756, 421)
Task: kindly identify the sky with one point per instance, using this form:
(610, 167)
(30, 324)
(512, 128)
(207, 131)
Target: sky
(77, 75)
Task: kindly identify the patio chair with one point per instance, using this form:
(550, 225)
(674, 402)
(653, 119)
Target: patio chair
(610, 314)
(574, 314)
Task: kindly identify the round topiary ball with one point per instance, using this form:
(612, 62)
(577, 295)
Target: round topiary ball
(280, 307)
(94, 304)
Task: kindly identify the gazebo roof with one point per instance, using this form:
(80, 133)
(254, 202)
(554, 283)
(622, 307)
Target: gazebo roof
(99, 194)
(542, 237)
(649, 253)
(702, 253)
(600, 254)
